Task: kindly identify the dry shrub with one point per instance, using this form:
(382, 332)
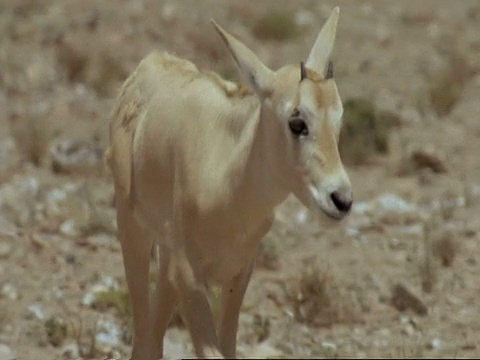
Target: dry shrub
(445, 248)
(262, 327)
(447, 87)
(319, 300)
(428, 269)
(365, 131)
(403, 299)
(56, 330)
(268, 257)
(101, 67)
(276, 24)
(440, 247)
(84, 337)
(114, 299)
(32, 135)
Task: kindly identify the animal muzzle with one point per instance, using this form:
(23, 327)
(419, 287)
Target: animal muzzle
(342, 199)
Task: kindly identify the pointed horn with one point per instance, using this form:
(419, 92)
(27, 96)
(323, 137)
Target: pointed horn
(303, 71)
(322, 48)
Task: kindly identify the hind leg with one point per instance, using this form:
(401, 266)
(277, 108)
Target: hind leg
(136, 245)
(163, 303)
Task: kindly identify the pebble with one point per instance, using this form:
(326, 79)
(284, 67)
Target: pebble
(436, 344)
(108, 336)
(102, 240)
(69, 228)
(36, 311)
(403, 298)
(9, 291)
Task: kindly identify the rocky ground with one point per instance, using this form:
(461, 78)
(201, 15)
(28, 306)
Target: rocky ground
(399, 277)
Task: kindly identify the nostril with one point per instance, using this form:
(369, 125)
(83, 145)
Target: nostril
(341, 202)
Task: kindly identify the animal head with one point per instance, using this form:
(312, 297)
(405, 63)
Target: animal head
(302, 104)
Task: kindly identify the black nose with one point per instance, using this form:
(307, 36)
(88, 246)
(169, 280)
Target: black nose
(343, 202)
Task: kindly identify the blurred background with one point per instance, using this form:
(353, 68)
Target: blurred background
(399, 277)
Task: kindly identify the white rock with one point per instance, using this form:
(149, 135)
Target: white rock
(361, 207)
(37, 312)
(327, 345)
(69, 228)
(9, 291)
(102, 240)
(436, 344)
(109, 334)
(392, 202)
(302, 216)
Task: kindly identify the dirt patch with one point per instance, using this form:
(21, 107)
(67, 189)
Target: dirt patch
(417, 183)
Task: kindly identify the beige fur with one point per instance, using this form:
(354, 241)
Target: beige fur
(199, 165)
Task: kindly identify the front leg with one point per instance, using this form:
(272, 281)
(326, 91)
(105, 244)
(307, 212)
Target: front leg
(198, 314)
(232, 298)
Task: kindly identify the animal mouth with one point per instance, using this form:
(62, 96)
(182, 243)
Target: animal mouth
(319, 203)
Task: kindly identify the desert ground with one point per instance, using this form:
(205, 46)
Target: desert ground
(397, 278)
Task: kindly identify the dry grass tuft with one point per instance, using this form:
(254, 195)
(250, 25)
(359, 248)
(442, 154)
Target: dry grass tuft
(56, 330)
(32, 135)
(447, 87)
(365, 131)
(319, 300)
(445, 247)
(268, 257)
(428, 269)
(114, 299)
(101, 67)
(262, 327)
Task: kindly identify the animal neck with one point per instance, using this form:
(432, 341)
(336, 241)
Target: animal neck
(258, 184)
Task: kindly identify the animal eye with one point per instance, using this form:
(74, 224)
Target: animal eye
(298, 127)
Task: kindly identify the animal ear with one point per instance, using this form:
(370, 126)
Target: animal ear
(319, 57)
(258, 75)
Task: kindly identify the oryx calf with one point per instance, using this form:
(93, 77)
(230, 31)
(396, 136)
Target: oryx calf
(199, 165)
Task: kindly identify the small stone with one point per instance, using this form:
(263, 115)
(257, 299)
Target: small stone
(9, 291)
(69, 228)
(403, 299)
(37, 311)
(435, 344)
(109, 335)
(102, 240)
(429, 157)
(302, 216)
(328, 346)
(408, 329)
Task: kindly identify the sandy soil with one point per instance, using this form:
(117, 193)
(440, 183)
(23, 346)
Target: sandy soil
(399, 277)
